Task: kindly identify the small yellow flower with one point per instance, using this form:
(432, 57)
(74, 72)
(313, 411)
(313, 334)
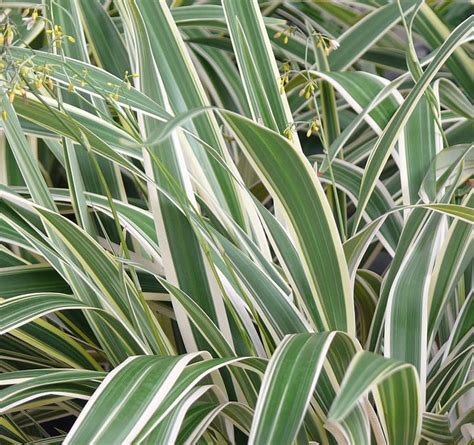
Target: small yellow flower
(286, 33)
(288, 132)
(307, 91)
(30, 21)
(313, 127)
(70, 87)
(4, 115)
(71, 39)
(9, 36)
(281, 83)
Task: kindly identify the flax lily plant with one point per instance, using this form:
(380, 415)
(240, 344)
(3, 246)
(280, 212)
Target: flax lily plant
(236, 221)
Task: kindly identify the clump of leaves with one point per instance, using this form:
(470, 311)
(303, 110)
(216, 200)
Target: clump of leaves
(236, 222)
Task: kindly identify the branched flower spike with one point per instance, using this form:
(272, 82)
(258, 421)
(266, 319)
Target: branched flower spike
(286, 33)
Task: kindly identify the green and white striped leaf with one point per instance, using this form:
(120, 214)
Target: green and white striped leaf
(396, 391)
(387, 140)
(279, 166)
(152, 378)
(257, 65)
(287, 387)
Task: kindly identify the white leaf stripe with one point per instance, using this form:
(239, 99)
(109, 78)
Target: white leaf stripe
(262, 146)
(287, 387)
(162, 372)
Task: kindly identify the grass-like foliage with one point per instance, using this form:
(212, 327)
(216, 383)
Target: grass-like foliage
(236, 221)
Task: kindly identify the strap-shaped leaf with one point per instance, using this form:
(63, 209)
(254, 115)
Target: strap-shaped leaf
(126, 399)
(21, 150)
(50, 384)
(454, 256)
(387, 140)
(83, 252)
(20, 310)
(176, 71)
(106, 41)
(365, 34)
(257, 64)
(406, 316)
(97, 82)
(436, 428)
(396, 391)
(288, 386)
(293, 183)
(418, 151)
